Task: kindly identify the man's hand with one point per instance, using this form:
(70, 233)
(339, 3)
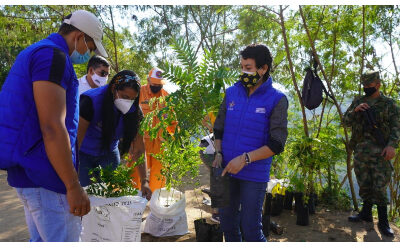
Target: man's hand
(389, 153)
(235, 165)
(146, 191)
(361, 107)
(78, 200)
(217, 160)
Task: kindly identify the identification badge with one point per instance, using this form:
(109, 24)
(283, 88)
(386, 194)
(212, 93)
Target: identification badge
(260, 110)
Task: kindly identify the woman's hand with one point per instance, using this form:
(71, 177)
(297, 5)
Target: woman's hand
(235, 165)
(217, 160)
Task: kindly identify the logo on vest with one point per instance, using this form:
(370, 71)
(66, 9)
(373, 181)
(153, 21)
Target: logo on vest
(99, 125)
(231, 104)
(260, 110)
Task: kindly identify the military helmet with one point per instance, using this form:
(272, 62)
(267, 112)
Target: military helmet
(369, 77)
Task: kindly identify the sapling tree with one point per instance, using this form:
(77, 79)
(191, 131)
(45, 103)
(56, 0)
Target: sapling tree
(200, 92)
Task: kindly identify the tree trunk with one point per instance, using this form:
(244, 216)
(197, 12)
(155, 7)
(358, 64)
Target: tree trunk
(363, 51)
(393, 60)
(115, 41)
(287, 49)
(348, 151)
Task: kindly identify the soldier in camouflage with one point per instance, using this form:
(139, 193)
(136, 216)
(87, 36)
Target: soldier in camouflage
(372, 160)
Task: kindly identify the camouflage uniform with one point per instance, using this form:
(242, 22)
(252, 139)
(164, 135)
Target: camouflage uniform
(372, 171)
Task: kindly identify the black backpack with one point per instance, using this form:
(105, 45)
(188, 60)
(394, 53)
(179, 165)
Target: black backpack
(312, 90)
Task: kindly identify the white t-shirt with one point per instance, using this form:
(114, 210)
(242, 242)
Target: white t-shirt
(210, 149)
(83, 85)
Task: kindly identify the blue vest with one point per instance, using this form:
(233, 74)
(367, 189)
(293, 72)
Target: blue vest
(247, 127)
(92, 143)
(21, 141)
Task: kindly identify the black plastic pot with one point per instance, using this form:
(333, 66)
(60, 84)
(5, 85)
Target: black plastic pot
(266, 224)
(202, 229)
(298, 200)
(311, 204)
(266, 217)
(302, 215)
(277, 205)
(207, 232)
(288, 200)
(315, 196)
(216, 234)
(268, 204)
(219, 188)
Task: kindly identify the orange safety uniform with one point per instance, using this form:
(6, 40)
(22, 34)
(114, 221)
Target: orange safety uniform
(212, 117)
(152, 146)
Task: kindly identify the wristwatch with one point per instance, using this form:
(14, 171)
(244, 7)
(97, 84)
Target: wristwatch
(247, 158)
(218, 152)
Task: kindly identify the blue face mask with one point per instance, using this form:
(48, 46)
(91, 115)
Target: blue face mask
(77, 58)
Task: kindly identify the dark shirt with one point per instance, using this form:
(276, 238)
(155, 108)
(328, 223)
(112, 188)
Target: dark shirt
(86, 110)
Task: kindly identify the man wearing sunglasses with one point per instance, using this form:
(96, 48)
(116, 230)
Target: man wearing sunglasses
(39, 114)
(98, 69)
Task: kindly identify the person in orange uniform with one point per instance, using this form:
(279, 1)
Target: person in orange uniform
(153, 89)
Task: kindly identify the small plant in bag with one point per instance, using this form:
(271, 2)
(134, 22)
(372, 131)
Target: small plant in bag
(109, 182)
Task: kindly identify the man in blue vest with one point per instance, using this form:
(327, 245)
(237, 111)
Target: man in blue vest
(250, 128)
(38, 128)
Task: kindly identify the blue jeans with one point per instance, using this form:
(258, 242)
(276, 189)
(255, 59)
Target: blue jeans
(88, 162)
(47, 216)
(245, 210)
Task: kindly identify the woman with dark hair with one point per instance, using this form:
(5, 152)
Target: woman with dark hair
(108, 114)
(251, 127)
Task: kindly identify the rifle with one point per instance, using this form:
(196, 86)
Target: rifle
(369, 116)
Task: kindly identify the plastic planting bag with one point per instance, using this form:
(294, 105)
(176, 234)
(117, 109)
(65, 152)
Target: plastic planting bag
(266, 217)
(116, 219)
(206, 232)
(288, 200)
(219, 187)
(277, 204)
(167, 214)
(278, 194)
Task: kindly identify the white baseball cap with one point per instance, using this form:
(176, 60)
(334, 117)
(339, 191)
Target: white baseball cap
(155, 76)
(90, 25)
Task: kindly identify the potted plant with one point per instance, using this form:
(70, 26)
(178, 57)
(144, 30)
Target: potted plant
(288, 199)
(116, 209)
(199, 92)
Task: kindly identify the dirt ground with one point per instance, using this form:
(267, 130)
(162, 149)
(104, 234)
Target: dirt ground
(325, 225)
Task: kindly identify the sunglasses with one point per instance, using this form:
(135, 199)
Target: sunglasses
(103, 73)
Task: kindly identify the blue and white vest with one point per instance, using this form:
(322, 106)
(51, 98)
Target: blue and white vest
(247, 127)
(21, 141)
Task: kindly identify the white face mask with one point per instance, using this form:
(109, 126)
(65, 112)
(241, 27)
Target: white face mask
(123, 105)
(99, 81)
(252, 73)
